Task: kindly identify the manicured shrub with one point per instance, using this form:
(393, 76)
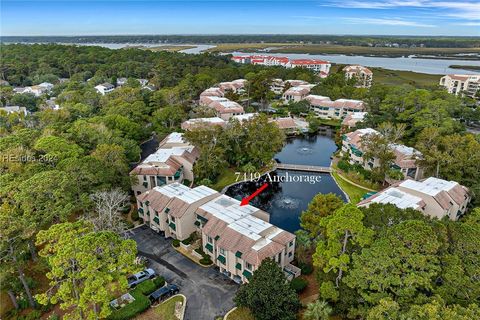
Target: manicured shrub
(147, 287)
(140, 304)
(176, 243)
(200, 251)
(187, 241)
(343, 165)
(159, 282)
(298, 284)
(206, 260)
(306, 268)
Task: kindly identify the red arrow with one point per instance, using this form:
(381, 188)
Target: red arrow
(246, 200)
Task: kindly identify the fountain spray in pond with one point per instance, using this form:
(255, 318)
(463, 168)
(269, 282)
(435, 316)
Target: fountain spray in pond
(305, 150)
(287, 203)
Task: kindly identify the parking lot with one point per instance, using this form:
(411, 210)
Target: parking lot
(208, 292)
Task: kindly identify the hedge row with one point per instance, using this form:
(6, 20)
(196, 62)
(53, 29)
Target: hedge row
(141, 303)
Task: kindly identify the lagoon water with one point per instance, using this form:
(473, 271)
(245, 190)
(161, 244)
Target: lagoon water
(285, 201)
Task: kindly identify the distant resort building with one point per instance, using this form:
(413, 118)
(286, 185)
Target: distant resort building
(172, 162)
(37, 90)
(433, 197)
(363, 75)
(297, 93)
(237, 238)
(320, 67)
(405, 157)
(14, 109)
(465, 84)
(105, 88)
(351, 120)
(324, 108)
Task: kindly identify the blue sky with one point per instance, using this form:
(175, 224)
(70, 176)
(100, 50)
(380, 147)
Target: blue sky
(377, 17)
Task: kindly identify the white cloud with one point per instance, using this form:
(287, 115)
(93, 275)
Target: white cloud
(468, 10)
(388, 22)
(472, 24)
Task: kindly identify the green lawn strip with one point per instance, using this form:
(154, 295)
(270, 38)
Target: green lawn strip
(240, 314)
(226, 177)
(166, 310)
(354, 193)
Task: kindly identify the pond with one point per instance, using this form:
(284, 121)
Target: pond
(286, 200)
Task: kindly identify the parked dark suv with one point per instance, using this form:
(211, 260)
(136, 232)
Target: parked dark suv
(164, 292)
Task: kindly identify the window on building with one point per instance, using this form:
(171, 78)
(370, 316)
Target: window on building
(290, 244)
(172, 218)
(248, 266)
(209, 239)
(144, 178)
(222, 251)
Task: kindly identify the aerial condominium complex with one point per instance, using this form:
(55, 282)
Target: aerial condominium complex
(172, 162)
(405, 157)
(433, 197)
(297, 93)
(237, 238)
(224, 108)
(351, 120)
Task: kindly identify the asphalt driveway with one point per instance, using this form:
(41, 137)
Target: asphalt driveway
(208, 292)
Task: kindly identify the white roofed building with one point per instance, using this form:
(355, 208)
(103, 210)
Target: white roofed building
(172, 162)
(105, 88)
(351, 120)
(15, 109)
(436, 198)
(199, 122)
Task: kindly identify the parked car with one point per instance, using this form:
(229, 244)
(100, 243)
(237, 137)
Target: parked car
(141, 276)
(163, 292)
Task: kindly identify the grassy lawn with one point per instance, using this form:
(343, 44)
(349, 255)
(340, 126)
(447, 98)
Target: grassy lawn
(164, 311)
(226, 177)
(240, 314)
(396, 77)
(354, 193)
(338, 49)
(230, 47)
(379, 51)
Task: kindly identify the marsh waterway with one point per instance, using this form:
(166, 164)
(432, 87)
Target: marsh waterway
(285, 201)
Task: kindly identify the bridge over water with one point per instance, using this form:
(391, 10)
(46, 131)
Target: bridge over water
(299, 167)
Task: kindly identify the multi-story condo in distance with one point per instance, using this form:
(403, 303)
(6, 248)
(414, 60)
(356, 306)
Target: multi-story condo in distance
(405, 157)
(224, 108)
(237, 238)
(172, 162)
(297, 93)
(338, 109)
(467, 84)
(433, 197)
(363, 75)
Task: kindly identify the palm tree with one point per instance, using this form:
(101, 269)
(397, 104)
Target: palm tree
(318, 310)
